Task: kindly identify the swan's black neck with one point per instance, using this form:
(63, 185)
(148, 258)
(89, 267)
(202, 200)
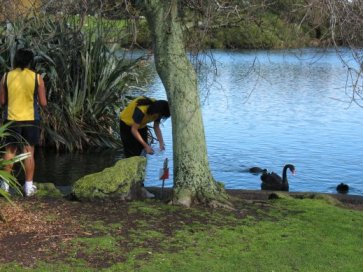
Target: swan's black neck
(284, 174)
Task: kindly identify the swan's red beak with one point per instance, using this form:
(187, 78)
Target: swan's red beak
(293, 172)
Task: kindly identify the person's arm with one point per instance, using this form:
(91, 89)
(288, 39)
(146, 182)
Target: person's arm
(41, 92)
(135, 132)
(159, 135)
(2, 92)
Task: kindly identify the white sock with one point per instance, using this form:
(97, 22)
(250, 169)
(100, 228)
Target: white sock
(28, 183)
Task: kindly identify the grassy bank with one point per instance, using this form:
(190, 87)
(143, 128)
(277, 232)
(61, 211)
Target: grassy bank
(260, 235)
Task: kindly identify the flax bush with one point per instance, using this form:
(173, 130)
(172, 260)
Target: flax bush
(84, 74)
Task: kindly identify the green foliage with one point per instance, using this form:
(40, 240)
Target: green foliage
(4, 175)
(84, 77)
(268, 32)
(126, 33)
(143, 37)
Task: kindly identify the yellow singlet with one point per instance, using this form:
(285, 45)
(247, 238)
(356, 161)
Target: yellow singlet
(22, 98)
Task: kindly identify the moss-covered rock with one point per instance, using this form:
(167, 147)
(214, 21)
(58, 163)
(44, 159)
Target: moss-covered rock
(123, 180)
(47, 190)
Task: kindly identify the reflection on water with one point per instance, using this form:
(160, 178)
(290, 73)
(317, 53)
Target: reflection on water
(263, 108)
(65, 168)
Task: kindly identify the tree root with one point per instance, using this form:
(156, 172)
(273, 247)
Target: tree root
(186, 198)
(222, 204)
(185, 201)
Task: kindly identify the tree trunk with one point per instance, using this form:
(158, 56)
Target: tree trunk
(193, 182)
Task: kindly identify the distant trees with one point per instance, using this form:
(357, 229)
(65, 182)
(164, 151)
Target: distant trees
(12, 9)
(343, 24)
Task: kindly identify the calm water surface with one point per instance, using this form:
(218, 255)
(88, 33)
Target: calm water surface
(262, 108)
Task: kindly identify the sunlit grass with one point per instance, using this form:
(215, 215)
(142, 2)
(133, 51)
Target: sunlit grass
(291, 235)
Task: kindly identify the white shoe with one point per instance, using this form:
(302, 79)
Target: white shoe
(147, 193)
(30, 190)
(4, 185)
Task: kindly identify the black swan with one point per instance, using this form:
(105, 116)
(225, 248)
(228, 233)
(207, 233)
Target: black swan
(256, 170)
(272, 181)
(342, 188)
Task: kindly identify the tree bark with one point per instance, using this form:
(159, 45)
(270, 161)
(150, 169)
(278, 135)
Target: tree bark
(193, 181)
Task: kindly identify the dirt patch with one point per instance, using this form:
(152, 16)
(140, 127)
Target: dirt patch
(49, 230)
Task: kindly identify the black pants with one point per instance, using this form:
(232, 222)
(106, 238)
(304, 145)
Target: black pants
(22, 132)
(132, 147)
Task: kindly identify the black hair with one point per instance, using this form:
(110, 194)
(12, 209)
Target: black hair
(161, 107)
(144, 101)
(23, 58)
(156, 107)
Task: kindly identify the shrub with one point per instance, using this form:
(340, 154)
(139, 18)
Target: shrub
(85, 77)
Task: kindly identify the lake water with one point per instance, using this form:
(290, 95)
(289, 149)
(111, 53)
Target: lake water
(260, 108)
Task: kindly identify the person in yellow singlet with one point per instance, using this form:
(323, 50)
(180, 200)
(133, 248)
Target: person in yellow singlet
(133, 124)
(22, 91)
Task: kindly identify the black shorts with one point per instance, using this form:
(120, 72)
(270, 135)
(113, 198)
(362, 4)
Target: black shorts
(132, 147)
(22, 132)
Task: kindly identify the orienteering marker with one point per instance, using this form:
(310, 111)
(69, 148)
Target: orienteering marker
(164, 174)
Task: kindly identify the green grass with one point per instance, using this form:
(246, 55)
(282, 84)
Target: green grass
(291, 235)
(317, 238)
(94, 245)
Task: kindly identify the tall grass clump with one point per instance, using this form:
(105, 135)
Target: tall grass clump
(84, 76)
(5, 176)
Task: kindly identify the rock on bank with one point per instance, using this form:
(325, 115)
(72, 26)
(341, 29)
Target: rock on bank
(122, 181)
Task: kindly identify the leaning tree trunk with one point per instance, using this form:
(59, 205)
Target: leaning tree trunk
(193, 181)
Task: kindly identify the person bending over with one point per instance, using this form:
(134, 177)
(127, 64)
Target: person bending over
(133, 124)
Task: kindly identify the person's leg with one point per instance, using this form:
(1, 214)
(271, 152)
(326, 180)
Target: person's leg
(29, 166)
(29, 163)
(131, 146)
(10, 153)
(10, 142)
(31, 136)
(144, 134)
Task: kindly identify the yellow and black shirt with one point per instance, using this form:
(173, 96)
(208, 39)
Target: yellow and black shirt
(21, 91)
(137, 114)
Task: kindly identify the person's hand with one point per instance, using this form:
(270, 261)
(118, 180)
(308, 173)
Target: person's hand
(149, 150)
(162, 147)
